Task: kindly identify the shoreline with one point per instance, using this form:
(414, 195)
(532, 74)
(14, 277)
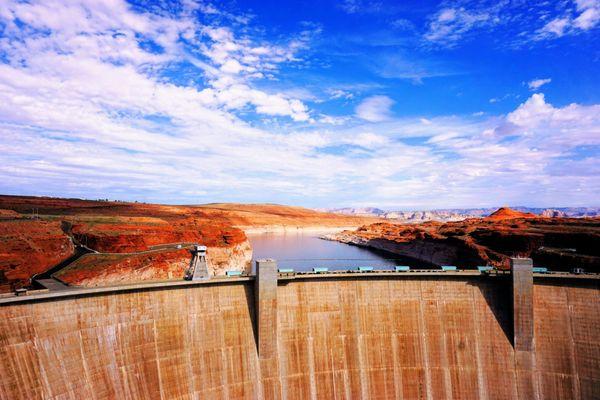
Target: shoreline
(285, 229)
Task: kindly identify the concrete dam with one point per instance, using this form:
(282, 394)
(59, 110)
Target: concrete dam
(455, 335)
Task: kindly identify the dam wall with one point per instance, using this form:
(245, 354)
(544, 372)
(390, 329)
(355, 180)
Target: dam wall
(358, 337)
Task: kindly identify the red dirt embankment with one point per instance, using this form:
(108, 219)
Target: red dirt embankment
(557, 243)
(29, 246)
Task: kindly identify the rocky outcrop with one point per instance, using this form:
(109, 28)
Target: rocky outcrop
(9, 214)
(29, 247)
(557, 243)
(505, 213)
(458, 214)
(423, 216)
(550, 213)
(405, 216)
(428, 252)
(362, 211)
(121, 268)
(237, 257)
(136, 241)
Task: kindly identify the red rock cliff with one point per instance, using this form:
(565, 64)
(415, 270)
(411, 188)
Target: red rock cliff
(30, 246)
(558, 243)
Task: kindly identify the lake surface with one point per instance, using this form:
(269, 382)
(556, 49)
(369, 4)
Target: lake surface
(303, 251)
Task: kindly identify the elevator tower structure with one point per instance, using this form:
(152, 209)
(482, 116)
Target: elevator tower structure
(198, 269)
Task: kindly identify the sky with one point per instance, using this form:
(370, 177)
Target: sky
(394, 104)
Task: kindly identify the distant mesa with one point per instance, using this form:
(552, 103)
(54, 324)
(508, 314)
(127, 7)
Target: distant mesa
(358, 211)
(507, 213)
(551, 213)
(459, 214)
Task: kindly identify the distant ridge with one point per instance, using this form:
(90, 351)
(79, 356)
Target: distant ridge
(459, 214)
(507, 213)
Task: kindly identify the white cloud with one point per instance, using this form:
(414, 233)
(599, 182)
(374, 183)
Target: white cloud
(575, 123)
(585, 17)
(538, 83)
(236, 62)
(369, 140)
(403, 24)
(335, 94)
(449, 25)
(407, 66)
(375, 108)
(333, 120)
(361, 6)
(456, 20)
(589, 16)
(350, 6)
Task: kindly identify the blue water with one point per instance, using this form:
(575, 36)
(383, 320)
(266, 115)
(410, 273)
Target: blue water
(303, 251)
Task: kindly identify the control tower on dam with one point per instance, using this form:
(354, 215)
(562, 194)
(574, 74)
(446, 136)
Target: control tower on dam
(453, 335)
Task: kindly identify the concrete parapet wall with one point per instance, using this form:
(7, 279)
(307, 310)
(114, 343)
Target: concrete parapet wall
(419, 337)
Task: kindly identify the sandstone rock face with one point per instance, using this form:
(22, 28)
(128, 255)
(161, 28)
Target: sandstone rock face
(237, 257)
(133, 238)
(549, 213)
(132, 249)
(458, 214)
(505, 213)
(112, 269)
(29, 247)
(9, 214)
(155, 265)
(557, 243)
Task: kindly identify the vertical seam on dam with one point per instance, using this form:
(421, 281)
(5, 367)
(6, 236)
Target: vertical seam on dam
(84, 363)
(157, 359)
(439, 306)
(576, 384)
(364, 390)
(480, 370)
(425, 347)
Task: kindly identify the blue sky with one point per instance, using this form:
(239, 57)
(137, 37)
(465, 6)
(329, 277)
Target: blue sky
(407, 105)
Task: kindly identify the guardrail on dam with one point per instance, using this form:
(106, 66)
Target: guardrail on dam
(457, 335)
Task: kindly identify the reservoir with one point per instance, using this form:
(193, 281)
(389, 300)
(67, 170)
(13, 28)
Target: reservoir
(304, 250)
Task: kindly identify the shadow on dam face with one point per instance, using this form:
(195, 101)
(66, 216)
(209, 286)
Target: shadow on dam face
(499, 298)
(356, 338)
(249, 291)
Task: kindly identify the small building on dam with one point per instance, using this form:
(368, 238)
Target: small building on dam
(395, 335)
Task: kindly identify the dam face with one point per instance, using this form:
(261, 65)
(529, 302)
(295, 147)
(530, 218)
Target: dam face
(351, 338)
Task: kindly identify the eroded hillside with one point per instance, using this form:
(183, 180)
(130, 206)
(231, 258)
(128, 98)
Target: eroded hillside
(557, 243)
(136, 241)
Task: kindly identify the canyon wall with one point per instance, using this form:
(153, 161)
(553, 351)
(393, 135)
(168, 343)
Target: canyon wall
(556, 243)
(427, 252)
(370, 338)
(155, 265)
(37, 233)
(29, 247)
